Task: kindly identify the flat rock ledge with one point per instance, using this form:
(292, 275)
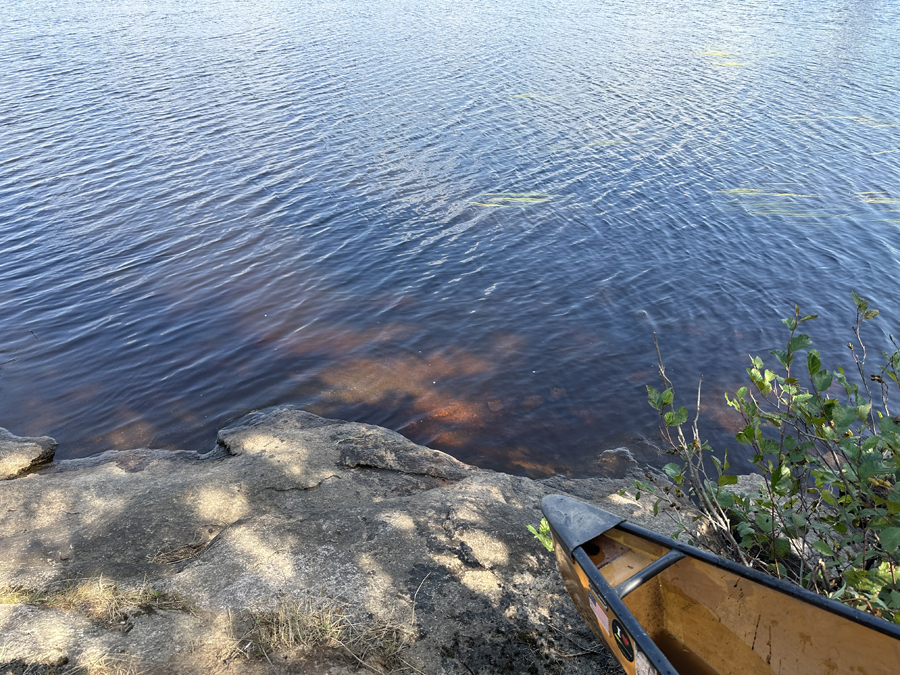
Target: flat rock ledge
(21, 454)
(291, 508)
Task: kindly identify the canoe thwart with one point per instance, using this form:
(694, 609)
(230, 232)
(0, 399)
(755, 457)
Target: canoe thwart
(650, 571)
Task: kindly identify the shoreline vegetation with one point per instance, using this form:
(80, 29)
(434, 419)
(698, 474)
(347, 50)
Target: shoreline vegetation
(824, 509)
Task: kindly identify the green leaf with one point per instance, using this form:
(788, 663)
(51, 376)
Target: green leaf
(783, 357)
(782, 547)
(764, 522)
(862, 411)
(654, 397)
(871, 314)
(725, 499)
(672, 470)
(813, 362)
(828, 497)
(844, 416)
(790, 322)
(667, 396)
(674, 419)
(781, 480)
(768, 446)
(870, 468)
(822, 380)
(808, 317)
(887, 426)
(890, 539)
(823, 548)
(859, 579)
(728, 480)
(799, 342)
(895, 600)
(861, 304)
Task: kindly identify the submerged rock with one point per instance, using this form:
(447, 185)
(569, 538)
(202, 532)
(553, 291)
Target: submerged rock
(616, 463)
(292, 508)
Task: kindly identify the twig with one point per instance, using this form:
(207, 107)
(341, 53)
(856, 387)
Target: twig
(585, 650)
(466, 665)
(361, 662)
(415, 596)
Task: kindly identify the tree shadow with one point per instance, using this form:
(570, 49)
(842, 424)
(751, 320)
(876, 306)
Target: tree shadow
(290, 505)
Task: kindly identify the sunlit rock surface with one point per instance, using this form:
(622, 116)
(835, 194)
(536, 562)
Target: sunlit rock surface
(20, 454)
(290, 506)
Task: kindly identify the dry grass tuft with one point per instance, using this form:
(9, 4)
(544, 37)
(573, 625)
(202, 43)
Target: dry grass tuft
(99, 600)
(376, 643)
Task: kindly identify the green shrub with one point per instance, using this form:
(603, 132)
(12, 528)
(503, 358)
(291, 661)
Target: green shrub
(826, 512)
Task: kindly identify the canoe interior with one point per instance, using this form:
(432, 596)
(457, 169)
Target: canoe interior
(709, 621)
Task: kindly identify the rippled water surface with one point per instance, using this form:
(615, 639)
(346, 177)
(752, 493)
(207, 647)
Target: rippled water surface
(461, 220)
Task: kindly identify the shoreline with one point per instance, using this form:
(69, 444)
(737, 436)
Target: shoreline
(290, 514)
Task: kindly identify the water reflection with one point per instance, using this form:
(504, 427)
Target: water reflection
(463, 221)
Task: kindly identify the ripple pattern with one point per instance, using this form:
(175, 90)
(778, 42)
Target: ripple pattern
(463, 221)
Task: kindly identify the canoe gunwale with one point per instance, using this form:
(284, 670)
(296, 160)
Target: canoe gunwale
(640, 636)
(780, 585)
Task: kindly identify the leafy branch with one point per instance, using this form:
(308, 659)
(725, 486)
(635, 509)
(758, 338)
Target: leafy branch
(826, 510)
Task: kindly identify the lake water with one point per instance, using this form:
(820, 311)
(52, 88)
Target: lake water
(460, 220)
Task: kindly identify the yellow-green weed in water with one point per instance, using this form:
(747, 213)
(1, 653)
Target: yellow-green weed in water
(725, 58)
(760, 192)
(536, 97)
(764, 201)
(856, 119)
(870, 122)
(507, 199)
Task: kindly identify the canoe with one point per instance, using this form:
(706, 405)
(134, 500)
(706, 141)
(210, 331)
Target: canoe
(663, 607)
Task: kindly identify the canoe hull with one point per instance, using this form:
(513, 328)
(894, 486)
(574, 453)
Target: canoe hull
(701, 615)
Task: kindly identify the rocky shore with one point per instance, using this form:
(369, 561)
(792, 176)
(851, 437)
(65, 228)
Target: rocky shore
(299, 544)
